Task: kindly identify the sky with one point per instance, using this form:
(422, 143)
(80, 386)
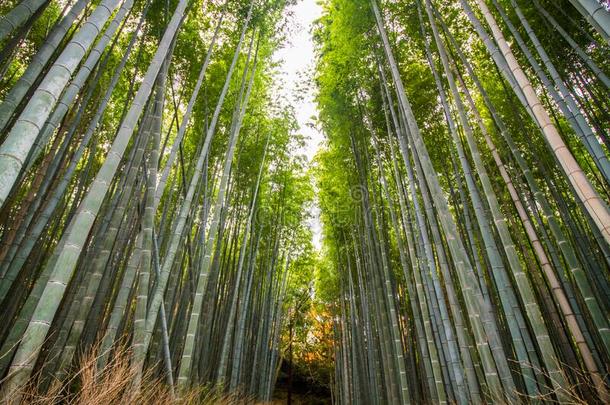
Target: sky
(296, 62)
(297, 59)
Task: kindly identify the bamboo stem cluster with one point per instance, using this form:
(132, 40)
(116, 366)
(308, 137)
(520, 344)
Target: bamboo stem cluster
(461, 263)
(108, 238)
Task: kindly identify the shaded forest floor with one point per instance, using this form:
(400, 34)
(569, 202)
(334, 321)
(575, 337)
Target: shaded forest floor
(299, 398)
(305, 390)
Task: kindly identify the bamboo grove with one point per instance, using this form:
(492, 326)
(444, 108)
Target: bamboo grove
(155, 202)
(151, 196)
(464, 194)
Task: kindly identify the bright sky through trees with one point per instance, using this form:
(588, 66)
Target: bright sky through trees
(296, 64)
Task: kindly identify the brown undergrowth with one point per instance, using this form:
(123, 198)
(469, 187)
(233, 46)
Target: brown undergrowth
(112, 384)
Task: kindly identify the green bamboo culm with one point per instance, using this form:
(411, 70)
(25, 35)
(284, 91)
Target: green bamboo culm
(19, 16)
(20, 140)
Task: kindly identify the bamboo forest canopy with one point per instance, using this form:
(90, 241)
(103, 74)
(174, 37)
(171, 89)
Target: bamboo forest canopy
(156, 203)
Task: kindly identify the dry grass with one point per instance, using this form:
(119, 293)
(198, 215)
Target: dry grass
(570, 394)
(113, 384)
